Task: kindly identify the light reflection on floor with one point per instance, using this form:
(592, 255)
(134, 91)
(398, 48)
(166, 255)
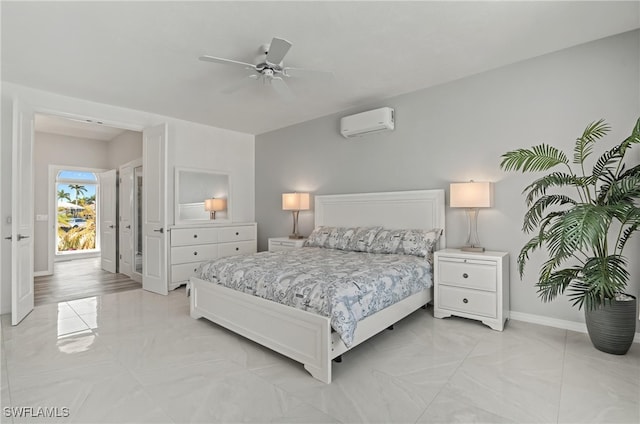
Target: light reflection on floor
(76, 319)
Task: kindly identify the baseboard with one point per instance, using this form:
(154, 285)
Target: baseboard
(579, 327)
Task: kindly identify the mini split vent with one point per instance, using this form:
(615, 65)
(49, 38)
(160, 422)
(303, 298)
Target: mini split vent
(369, 122)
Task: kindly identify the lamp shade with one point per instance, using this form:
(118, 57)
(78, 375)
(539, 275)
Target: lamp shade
(295, 201)
(471, 195)
(215, 205)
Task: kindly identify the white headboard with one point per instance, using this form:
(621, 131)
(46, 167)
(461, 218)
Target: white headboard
(419, 209)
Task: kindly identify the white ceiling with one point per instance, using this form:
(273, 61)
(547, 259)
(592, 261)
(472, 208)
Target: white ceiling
(144, 55)
(74, 128)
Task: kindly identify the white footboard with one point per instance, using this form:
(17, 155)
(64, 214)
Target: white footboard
(299, 335)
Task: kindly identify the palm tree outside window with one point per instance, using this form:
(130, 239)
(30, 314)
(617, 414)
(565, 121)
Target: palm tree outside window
(76, 211)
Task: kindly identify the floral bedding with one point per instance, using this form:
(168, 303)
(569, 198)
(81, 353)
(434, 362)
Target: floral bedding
(345, 286)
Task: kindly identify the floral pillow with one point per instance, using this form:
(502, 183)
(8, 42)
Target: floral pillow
(363, 238)
(318, 236)
(339, 238)
(386, 241)
(419, 242)
(406, 242)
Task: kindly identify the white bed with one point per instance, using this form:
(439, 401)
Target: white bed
(306, 337)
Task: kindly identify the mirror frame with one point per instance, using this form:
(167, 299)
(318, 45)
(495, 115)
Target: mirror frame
(181, 221)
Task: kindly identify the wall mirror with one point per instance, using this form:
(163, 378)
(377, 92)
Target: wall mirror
(192, 188)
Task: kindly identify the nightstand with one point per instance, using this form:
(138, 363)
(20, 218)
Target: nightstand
(284, 243)
(472, 285)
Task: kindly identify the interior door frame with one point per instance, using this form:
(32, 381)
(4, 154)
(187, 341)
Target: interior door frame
(31, 109)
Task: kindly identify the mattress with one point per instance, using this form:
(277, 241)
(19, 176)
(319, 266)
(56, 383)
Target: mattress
(344, 286)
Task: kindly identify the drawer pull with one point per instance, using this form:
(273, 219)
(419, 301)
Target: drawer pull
(195, 269)
(237, 233)
(195, 236)
(195, 253)
(237, 248)
(465, 300)
(465, 275)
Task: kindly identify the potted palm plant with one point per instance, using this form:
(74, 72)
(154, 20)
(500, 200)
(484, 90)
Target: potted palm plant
(583, 220)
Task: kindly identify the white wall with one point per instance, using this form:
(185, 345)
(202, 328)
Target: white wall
(54, 149)
(124, 148)
(457, 132)
(190, 145)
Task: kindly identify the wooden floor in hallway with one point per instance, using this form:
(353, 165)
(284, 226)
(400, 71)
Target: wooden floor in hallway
(77, 279)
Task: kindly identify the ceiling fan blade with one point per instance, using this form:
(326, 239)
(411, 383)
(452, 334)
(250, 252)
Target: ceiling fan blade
(282, 88)
(277, 50)
(235, 86)
(226, 61)
(325, 75)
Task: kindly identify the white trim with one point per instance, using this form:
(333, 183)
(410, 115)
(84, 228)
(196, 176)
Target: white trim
(579, 327)
(54, 170)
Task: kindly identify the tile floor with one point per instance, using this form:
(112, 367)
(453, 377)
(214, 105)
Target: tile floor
(137, 357)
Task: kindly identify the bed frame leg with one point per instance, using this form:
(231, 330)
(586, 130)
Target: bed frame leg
(424, 306)
(390, 327)
(323, 374)
(338, 359)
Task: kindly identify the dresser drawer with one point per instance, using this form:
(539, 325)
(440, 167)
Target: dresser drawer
(475, 302)
(187, 236)
(474, 274)
(236, 234)
(182, 272)
(195, 253)
(238, 248)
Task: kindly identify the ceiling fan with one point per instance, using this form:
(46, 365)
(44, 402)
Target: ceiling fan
(269, 67)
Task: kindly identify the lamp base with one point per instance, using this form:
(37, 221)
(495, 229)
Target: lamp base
(295, 236)
(472, 249)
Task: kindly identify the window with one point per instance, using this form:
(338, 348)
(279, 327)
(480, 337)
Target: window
(76, 211)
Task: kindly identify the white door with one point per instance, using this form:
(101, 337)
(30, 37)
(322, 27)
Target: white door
(22, 213)
(125, 210)
(154, 213)
(108, 220)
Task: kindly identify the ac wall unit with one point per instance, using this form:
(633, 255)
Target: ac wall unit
(369, 122)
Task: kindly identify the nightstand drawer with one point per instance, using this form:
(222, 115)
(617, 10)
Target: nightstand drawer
(236, 234)
(470, 301)
(182, 272)
(474, 274)
(239, 248)
(197, 253)
(281, 243)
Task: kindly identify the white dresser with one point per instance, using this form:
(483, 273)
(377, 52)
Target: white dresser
(192, 245)
(472, 285)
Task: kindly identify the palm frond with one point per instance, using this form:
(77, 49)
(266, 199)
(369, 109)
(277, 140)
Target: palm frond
(632, 221)
(620, 190)
(606, 161)
(538, 158)
(579, 230)
(535, 213)
(634, 138)
(557, 283)
(555, 179)
(584, 144)
(529, 247)
(601, 278)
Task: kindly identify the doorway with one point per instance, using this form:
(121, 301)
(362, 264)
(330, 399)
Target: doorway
(88, 149)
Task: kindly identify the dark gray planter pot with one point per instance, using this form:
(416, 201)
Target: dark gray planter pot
(612, 326)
